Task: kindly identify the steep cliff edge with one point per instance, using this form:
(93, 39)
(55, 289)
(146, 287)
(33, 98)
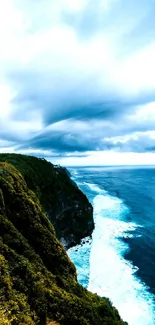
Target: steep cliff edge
(65, 205)
(37, 280)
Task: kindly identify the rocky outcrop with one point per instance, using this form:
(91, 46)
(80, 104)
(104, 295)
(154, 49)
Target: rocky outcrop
(65, 205)
(38, 282)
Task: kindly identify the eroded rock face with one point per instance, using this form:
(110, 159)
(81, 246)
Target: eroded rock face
(64, 203)
(72, 213)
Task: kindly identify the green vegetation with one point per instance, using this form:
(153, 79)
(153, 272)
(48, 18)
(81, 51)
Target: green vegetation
(65, 205)
(37, 280)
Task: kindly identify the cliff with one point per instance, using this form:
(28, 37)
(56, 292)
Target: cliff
(37, 280)
(65, 205)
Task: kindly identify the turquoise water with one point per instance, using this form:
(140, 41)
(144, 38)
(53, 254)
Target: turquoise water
(119, 260)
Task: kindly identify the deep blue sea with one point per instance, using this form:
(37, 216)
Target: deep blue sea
(119, 260)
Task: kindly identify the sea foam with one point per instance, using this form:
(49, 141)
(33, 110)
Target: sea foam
(110, 274)
(101, 265)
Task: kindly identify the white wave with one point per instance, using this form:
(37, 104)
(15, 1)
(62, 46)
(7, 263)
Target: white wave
(94, 187)
(80, 255)
(78, 183)
(75, 176)
(110, 274)
(74, 173)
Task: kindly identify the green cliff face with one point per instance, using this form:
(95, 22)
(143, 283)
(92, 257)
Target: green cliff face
(65, 205)
(37, 280)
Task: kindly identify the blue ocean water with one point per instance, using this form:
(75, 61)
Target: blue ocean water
(119, 260)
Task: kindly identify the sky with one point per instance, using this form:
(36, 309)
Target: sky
(77, 80)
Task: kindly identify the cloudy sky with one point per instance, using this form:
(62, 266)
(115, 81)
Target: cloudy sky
(77, 80)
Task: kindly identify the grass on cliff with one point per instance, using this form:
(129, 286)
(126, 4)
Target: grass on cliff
(37, 280)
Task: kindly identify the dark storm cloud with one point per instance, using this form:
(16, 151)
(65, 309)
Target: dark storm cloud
(56, 99)
(70, 143)
(71, 136)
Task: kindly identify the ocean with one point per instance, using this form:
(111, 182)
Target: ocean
(119, 260)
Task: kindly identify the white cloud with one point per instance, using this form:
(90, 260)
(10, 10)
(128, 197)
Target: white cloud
(137, 72)
(144, 113)
(5, 97)
(108, 158)
(58, 56)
